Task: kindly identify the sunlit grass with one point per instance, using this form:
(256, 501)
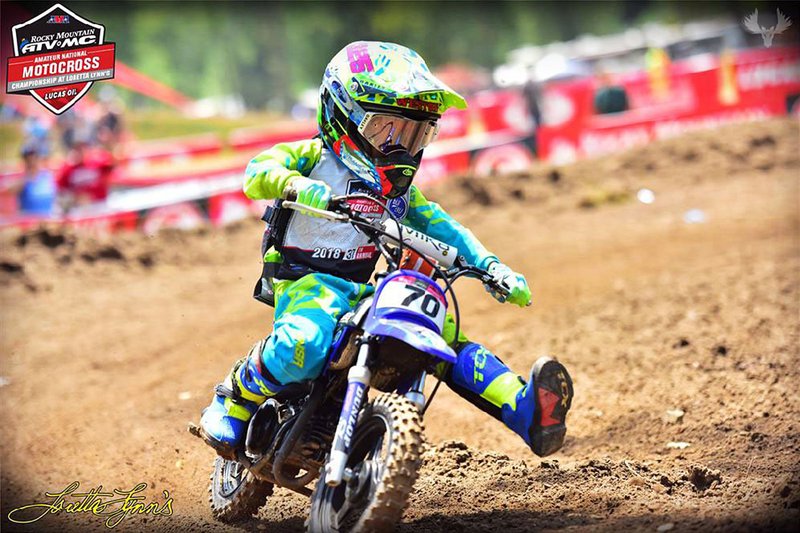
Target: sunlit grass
(145, 125)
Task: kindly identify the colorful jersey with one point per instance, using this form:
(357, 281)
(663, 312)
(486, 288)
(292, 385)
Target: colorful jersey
(90, 178)
(312, 244)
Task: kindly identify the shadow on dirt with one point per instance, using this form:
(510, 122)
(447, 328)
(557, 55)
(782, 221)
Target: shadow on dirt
(512, 521)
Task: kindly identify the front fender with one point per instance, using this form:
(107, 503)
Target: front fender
(415, 335)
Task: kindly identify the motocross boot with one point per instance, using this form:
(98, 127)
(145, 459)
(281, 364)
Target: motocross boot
(223, 424)
(536, 410)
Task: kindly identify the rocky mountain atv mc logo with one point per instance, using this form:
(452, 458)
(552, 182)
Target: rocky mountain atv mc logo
(58, 56)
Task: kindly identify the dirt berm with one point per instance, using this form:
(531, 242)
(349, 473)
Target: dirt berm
(679, 320)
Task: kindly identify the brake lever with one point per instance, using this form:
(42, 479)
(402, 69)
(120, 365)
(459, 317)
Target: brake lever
(488, 279)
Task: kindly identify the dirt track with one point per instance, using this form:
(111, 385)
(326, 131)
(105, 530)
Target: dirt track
(650, 314)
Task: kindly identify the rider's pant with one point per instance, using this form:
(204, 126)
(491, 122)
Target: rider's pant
(479, 376)
(306, 314)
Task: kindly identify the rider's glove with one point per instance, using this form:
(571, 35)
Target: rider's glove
(519, 293)
(313, 193)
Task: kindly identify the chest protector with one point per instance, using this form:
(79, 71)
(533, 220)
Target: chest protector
(310, 244)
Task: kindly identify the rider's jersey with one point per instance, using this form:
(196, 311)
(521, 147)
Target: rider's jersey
(310, 244)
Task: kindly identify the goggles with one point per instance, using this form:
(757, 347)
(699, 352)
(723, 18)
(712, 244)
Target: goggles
(386, 132)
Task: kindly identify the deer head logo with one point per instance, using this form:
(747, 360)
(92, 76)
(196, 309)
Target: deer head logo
(751, 24)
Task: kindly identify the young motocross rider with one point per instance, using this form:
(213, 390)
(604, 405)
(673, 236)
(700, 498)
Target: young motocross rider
(379, 106)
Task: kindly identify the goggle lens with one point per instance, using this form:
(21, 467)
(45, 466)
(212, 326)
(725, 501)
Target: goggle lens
(386, 132)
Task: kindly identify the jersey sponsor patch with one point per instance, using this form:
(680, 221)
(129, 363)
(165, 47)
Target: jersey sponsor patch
(397, 206)
(365, 206)
(361, 253)
(339, 254)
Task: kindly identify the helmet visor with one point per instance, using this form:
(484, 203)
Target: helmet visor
(387, 132)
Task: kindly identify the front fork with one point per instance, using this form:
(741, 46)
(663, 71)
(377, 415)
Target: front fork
(357, 382)
(358, 378)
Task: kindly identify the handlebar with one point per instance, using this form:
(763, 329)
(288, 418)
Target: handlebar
(484, 276)
(445, 254)
(322, 213)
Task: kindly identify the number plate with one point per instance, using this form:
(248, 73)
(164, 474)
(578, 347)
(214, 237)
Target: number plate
(415, 295)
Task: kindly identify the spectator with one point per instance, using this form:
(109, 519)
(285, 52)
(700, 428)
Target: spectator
(66, 124)
(37, 134)
(37, 192)
(86, 176)
(532, 91)
(109, 127)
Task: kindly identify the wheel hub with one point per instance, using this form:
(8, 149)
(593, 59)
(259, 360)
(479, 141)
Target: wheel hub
(231, 477)
(359, 484)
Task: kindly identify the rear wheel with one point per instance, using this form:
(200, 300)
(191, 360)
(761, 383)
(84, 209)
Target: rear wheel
(234, 493)
(384, 461)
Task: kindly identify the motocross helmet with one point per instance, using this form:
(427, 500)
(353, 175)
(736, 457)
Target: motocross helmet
(378, 109)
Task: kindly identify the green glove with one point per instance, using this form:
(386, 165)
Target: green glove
(313, 193)
(519, 292)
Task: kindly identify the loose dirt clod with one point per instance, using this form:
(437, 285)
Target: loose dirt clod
(11, 267)
(703, 478)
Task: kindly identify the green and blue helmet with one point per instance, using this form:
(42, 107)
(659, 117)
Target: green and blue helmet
(379, 107)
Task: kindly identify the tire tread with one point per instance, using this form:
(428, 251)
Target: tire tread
(402, 468)
(244, 503)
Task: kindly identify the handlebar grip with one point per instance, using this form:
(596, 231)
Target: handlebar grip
(334, 210)
(290, 194)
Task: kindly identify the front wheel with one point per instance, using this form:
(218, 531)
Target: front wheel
(234, 493)
(384, 460)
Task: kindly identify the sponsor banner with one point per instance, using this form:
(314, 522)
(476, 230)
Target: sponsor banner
(227, 208)
(700, 92)
(503, 159)
(218, 199)
(186, 215)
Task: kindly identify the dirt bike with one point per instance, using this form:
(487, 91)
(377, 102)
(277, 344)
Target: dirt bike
(366, 453)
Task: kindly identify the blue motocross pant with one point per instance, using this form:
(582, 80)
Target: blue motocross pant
(306, 314)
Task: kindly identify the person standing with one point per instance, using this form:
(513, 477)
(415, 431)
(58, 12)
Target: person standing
(85, 178)
(37, 192)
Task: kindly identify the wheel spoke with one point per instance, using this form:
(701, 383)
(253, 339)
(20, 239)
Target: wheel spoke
(377, 464)
(375, 476)
(342, 512)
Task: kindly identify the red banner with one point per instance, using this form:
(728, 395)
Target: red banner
(700, 92)
(60, 69)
